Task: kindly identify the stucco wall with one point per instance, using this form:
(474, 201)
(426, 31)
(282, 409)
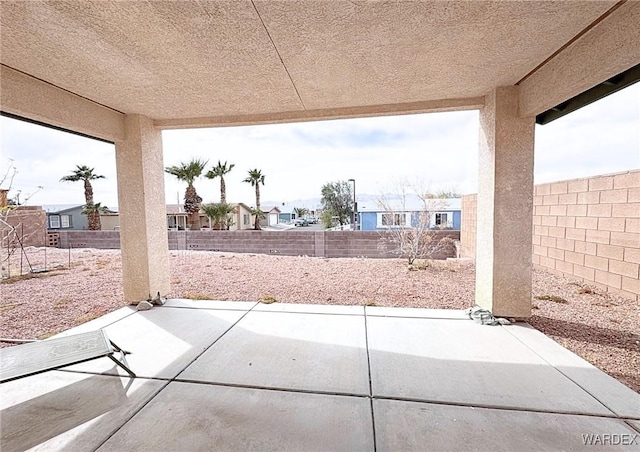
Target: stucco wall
(289, 243)
(109, 222)
(30, 223)
(585, 228)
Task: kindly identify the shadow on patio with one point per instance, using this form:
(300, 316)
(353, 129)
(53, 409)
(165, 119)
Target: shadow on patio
(245, 376)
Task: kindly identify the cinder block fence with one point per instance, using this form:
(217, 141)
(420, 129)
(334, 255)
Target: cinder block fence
(585, 228)
(288, 243)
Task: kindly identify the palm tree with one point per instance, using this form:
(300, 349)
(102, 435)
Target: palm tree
(189, 172)
(86, 174)
(255, 179)
(219, 171)
(300, 211)
(94, 209)
(219, 213)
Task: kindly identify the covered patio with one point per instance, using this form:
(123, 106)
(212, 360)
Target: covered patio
(216, 375)
(124, 71)
(220, 376)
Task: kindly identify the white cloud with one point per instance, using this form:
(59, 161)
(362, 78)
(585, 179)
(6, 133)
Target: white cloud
(42, 156)
(297, 159)
(601, 138)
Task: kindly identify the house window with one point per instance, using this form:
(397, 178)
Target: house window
(441, 220)
(246, 219)
(392, 219)
(65, 221)
(54, 221)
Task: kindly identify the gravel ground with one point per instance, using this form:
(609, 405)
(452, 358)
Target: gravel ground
(602, 328)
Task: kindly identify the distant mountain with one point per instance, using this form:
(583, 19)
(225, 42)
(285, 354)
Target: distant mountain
(313, 203)
(310, 203)
(364, 201)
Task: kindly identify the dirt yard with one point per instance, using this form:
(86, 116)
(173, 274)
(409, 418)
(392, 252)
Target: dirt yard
(602, 328)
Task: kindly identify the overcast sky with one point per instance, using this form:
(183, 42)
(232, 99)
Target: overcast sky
(440, 149)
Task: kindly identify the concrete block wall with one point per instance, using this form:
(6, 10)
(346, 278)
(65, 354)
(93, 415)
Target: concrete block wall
(587, 228)
(294, 243)
(355, 244)
(30, 223)
(286, 243)
(89, 239)
(469, 225)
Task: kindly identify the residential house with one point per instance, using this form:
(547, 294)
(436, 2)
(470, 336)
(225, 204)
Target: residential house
(70, 217)
(286, 215)
(242, 217)
(109, 221)
(443, 214)
(177, 218)
(66, 216)
(271, 215)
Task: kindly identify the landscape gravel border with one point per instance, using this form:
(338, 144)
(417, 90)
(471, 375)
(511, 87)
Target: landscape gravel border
(602, 328)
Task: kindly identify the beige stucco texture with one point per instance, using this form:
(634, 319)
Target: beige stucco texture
(505, 206)
(603, 51)
(180, 62)
(143, 224)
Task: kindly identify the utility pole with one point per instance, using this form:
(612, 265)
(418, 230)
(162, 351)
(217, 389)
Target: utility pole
(355, 207)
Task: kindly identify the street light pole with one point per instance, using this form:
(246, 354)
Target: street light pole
(355, 206)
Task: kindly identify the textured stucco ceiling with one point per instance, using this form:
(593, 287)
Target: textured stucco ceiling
(191, 59)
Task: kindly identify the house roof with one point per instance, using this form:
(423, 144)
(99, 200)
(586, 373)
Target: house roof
(175, 209)
(286, 208)
(270, 209)
(60, 208)
(241, 204)
(412, 204)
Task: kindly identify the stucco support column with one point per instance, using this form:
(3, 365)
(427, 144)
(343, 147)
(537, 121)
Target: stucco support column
(143, 217)
(505, 206)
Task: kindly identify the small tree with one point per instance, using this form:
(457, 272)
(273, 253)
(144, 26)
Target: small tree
(409, 231)
(220, 214)
(13, 239)
(86, 174)
(300, 211)
(337, 199)
(189, 172)
(93, 209)
(259, 215)
(256, 178)
(220, 170)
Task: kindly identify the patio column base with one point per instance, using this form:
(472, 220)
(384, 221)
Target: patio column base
(505, 206)
(143, 217)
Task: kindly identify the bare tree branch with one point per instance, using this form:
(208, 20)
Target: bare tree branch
(411, 231)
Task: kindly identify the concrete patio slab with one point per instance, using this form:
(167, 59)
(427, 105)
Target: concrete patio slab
(616, 396)
(210, 304)
(101, 322)
(163, 341)
(407, 426)
(610, 392)
(189, 417)
(310, 308)
(325, 353)
(68, 411)
(462, 362)
(453, 314)
(263, 380)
